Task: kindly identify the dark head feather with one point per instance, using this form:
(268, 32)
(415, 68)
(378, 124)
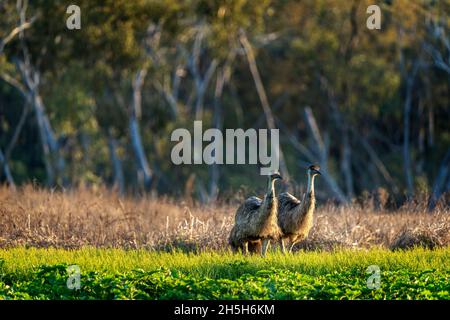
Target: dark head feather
(276, 175)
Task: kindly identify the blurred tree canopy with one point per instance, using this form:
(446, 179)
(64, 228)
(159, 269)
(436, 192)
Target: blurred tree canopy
(98, 105)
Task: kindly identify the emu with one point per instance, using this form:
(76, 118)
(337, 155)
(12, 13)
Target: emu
(256, 221)
(295, 217)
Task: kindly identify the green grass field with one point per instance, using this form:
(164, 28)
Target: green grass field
(140, 274)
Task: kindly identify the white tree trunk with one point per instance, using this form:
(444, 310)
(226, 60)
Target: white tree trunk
(144, 171)
(263, 97)
(321, 150)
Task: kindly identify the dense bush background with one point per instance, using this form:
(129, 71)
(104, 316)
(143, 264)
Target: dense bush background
(380, 98)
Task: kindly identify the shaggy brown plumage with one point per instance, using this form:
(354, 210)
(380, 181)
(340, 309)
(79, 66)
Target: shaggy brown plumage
(256, 221)
(295, 217)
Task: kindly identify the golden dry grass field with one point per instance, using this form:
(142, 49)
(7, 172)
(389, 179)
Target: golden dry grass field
(97, 217)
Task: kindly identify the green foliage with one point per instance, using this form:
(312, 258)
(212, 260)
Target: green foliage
(49, 282)
(119, 274)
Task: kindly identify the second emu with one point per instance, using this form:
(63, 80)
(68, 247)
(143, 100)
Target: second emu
(295, 217)
(256, 221)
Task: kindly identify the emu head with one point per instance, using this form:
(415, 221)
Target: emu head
(314, 170)
(276, 176)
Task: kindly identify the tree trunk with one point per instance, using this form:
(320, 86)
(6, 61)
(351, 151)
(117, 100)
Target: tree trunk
(439, 186)
(321, 150)
(202, 85)
(263, 98)
(144, 172)
(54, 162)
(46, 146)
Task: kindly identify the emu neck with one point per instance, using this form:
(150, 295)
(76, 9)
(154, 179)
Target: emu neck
(310, 189)
(268, 209)
(271, 187)
(270, 199)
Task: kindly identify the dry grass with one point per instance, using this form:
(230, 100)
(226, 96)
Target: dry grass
(97, 217)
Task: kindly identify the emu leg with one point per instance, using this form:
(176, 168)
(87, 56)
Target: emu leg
(265, 246)
(292, 246)
(282, 246)
(245, 248)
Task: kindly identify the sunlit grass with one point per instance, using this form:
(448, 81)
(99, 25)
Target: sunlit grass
(22, 261)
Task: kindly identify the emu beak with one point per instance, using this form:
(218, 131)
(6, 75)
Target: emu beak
(277, 176)
(317, 172)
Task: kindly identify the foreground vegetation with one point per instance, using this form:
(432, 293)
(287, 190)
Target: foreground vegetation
(140, 274)
(147, 248)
